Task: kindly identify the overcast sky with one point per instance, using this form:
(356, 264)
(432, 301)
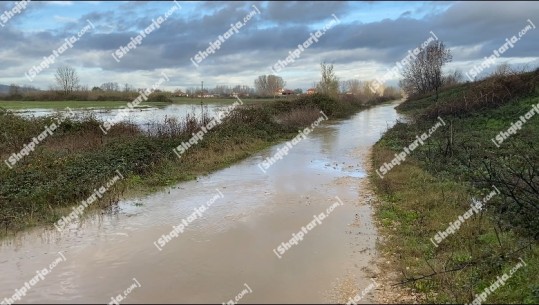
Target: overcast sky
(368, 39)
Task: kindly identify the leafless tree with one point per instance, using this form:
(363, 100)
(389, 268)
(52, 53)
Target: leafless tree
(424, 74)
(110, 86)
(353, 86)
(452, 78)
(67, 79)
(269, 84)
(14, 89)
(391, 92)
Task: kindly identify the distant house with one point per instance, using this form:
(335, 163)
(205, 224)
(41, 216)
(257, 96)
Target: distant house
(239, 94)
(311, 91)
(180, 93)
(278, 91)
(287, 92)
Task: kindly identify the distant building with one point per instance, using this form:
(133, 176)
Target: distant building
(311, 91)
(287, 92)
(180, 93)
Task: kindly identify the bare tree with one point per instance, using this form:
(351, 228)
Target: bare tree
(243, 90)
(504, 69)
(329, 84)
(110, 86)
(368, 94)
(269, 84)
(14, 89)
(67, 79)
(424, 74)
(392, 92)
(353, 86)
(128, 88)
(452, 78)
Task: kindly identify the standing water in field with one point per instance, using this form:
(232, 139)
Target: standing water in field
(143, 117)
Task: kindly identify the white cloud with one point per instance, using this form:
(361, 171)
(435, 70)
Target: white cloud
(61, 3)
(64, 19)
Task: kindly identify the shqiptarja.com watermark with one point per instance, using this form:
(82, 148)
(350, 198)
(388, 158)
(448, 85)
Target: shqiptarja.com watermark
(122, 296)
(500, 281)
(515, 126)
(283, 151)
(31, 146)
(40, 276)
(298, 237)
(221, 39)
(497, 53)
(184, 223)
(296, 53)
(401, 157)
(79, 210)
(454, 226)
(240, 295)
(51, 59)
(137, 40)
(15, 10)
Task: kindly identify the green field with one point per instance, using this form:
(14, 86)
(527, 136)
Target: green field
(18, 105)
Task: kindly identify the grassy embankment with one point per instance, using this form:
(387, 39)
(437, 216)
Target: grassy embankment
(67, 166)
(435, 185)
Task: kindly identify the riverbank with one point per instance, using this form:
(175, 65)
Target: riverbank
(78, 159)
(437, 244)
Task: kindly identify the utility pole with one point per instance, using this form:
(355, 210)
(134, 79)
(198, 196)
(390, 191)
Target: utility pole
(201, 95)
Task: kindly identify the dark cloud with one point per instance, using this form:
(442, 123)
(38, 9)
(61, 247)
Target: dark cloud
(268, 37)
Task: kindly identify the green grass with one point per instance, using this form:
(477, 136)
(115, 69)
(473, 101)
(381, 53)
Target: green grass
(59, 105)
(436, 182)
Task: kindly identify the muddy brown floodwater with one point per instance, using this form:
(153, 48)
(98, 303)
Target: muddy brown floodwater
(227, 251)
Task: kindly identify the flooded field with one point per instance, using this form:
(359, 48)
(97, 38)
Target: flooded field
(142, 117)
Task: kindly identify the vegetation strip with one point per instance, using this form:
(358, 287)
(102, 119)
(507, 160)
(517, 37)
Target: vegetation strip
(430, 190)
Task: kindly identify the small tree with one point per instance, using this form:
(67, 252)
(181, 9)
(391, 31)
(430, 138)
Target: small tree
(329, 84)
(14, 89)
(67, 79)
(15, 92)
(424, 74)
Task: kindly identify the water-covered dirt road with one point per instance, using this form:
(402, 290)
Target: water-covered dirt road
(229, 227)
